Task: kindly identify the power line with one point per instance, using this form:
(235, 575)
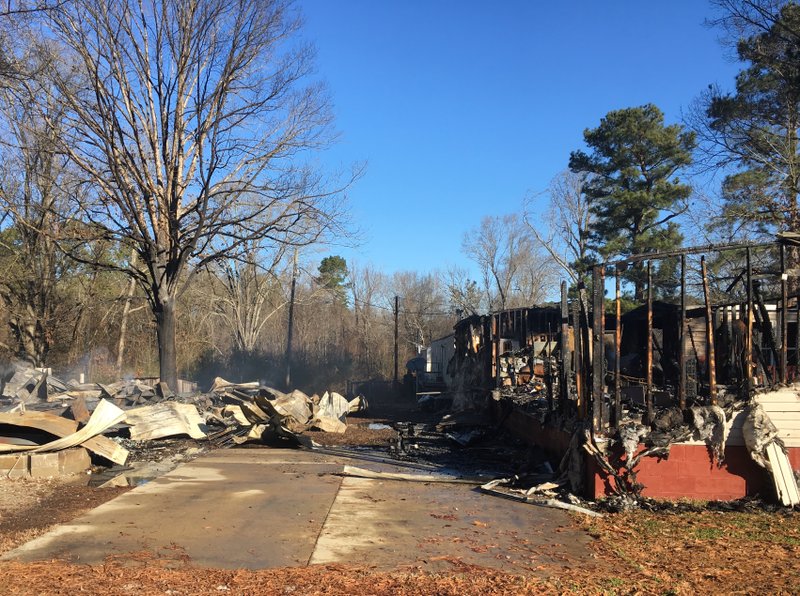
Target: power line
(406, 312)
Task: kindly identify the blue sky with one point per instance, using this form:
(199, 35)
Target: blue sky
(462, 108)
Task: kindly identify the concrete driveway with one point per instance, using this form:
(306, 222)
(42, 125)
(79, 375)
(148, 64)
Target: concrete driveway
(258, 508)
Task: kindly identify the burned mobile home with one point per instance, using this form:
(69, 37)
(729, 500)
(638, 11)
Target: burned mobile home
(690, 393)
(509, 348)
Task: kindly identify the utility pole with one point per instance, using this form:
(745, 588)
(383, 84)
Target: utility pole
(291, 325)
(396, 337)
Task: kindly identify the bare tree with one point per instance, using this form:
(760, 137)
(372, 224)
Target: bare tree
(190, 126)
(563, 227)
(249, 294)
(514, 273)
(22, 7)
(422, 310)
(367, 284)
(31, 197)
(465, 295)
(743, 18)
(13, 47)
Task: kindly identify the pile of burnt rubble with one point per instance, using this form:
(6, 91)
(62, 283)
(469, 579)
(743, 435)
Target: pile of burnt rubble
(669, 424)
(50, 427)
(132, 431)
(639, 435)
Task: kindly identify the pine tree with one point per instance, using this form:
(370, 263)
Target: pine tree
(756, 128)
(333, 275)
(633, 192)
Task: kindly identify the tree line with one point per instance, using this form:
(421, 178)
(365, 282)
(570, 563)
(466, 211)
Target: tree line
(160, 196)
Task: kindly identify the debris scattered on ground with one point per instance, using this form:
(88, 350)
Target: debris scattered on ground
(99, 417)
(19, 423)
(165, 419)
(240, 410)
(446, 478)
(110, 421)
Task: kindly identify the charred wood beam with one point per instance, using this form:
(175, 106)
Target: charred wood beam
(598, 359)
(749, 344)
(688, 251)
(682, 355)
(497, 323)
(586, 352)
(784, 318)
(566, 357)
(617, 350)
(649, 364)
(710, 354)
(755, 274)
(758, 356)
(549, 372)
(765, 324)
(797, 333)
(578, 357)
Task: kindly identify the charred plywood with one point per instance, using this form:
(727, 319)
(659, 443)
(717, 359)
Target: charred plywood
(498, 345)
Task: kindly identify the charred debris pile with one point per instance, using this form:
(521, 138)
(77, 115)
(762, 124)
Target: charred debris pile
(711, 359)
(133, 431)
(51, 427)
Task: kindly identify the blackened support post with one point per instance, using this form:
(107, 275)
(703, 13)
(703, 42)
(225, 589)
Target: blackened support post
(767, 335)
(796, 358)
(749, 349)
(548, 370)
(290, 327)
(598, 353)
(617, 351)
(497, 321)
(710, 353)
(784, 317)
(566, 357)
(649, 371)
(682, 355)
(577, 333)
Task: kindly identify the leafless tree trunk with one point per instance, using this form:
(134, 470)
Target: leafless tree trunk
(126, 311)
(248, 296)
(189, 125)
(423, 308)
(366, 284)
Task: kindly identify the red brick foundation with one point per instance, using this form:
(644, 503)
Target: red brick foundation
(688, 472)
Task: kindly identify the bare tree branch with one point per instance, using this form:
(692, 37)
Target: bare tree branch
(567, 222)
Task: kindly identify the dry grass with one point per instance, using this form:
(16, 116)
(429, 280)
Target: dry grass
(153, 578)
(705, 552)
(635, 553)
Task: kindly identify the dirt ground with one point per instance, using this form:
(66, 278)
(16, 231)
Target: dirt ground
(681, 551)
(28, 507)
